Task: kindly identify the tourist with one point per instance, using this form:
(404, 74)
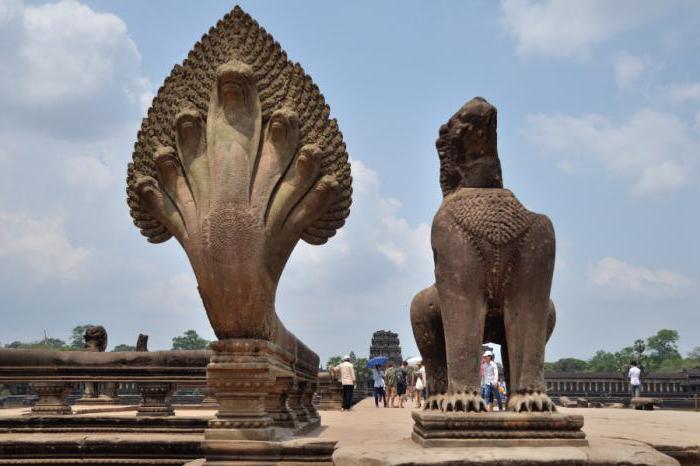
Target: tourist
(420, 384)
(502, 394)
(379, 392)
(410, 381)
(635, 382)
(489, 380)
(391, 384)
(346, 375)
(401, 381)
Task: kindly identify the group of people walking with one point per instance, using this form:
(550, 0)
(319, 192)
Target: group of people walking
(407, 383)
(394, 387)
(398, 384)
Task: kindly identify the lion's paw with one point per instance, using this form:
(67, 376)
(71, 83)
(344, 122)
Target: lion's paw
(456, 402)
(530, 402)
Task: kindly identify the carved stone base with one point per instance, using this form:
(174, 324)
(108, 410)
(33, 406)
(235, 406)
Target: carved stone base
(436, 429)
(155, 399)
(53, 397)
(242, 374)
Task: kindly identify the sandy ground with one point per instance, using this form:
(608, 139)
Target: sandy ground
(365, 424)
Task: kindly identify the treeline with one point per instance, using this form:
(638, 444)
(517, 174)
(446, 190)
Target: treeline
(658, 353)
(189, 340)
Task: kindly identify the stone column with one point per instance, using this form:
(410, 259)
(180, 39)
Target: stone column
(277, 406)
(296, 401)
(53, 397)
(307, 401)
(155, 399)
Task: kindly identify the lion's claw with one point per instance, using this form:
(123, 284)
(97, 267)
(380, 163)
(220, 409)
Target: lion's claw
(456, 402)
(536, 401)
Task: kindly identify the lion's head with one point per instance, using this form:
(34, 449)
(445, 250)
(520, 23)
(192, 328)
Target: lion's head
(467, 148)
(95, 338)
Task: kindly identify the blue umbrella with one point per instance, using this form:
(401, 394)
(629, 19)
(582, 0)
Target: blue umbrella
(377, 361)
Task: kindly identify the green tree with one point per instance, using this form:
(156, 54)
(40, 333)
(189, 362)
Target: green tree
(566, 365)
(603, 361)
(47, 343)
(190, 341)
(694, 354)
(76, 339)
(663, 349)
(361, 370)
(333, 361)
(124, 347)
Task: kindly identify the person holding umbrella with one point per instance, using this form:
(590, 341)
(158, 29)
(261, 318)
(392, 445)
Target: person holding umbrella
(377, 366)
(346, 374)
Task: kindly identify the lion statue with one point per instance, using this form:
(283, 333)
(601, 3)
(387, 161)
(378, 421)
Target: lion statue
(494, 261)
(95, 338)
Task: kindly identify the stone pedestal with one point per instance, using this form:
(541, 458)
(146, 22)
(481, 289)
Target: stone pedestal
(262, 404)
(437, 429)
(155, 399)
(53, 397)
(242, 374)
(330, 393)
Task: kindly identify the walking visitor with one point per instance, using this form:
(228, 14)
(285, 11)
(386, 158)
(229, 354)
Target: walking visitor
(634, 375)
(379, 392)
(401, 381)
(420, 384)
(489, 381)
(346, 376)
(391, 384)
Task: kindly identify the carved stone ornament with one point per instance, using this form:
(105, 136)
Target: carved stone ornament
(238, 160)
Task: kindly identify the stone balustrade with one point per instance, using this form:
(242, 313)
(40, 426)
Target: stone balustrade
(155, 375)
(53, 374)
(669, 386)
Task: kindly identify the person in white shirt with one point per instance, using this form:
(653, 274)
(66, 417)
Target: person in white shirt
(635, 382)
(346, 376)
(489, 380)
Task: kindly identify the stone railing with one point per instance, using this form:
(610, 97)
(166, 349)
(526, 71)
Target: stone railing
(53, 374)
(674, 388)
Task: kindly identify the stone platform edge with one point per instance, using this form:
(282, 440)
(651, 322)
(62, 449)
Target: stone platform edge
(436, 429)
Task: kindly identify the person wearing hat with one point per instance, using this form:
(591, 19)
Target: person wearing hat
(489, 380)
(346, 375)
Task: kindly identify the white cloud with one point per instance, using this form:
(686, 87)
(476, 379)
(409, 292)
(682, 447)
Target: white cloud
(618, 276)
(176, 294)
(362, 280)
(87, 173)
(628, 69)
(37, 249)
(552, 28)
(67, 68)
(655, 151)
(684, 92)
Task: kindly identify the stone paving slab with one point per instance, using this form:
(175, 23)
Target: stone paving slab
(367, 432)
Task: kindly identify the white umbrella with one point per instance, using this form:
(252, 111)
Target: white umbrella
(412, 361)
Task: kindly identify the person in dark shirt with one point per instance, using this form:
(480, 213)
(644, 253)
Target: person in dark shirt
(401, 382)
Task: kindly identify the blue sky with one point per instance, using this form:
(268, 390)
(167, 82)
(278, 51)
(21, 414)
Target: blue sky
(599, 128)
